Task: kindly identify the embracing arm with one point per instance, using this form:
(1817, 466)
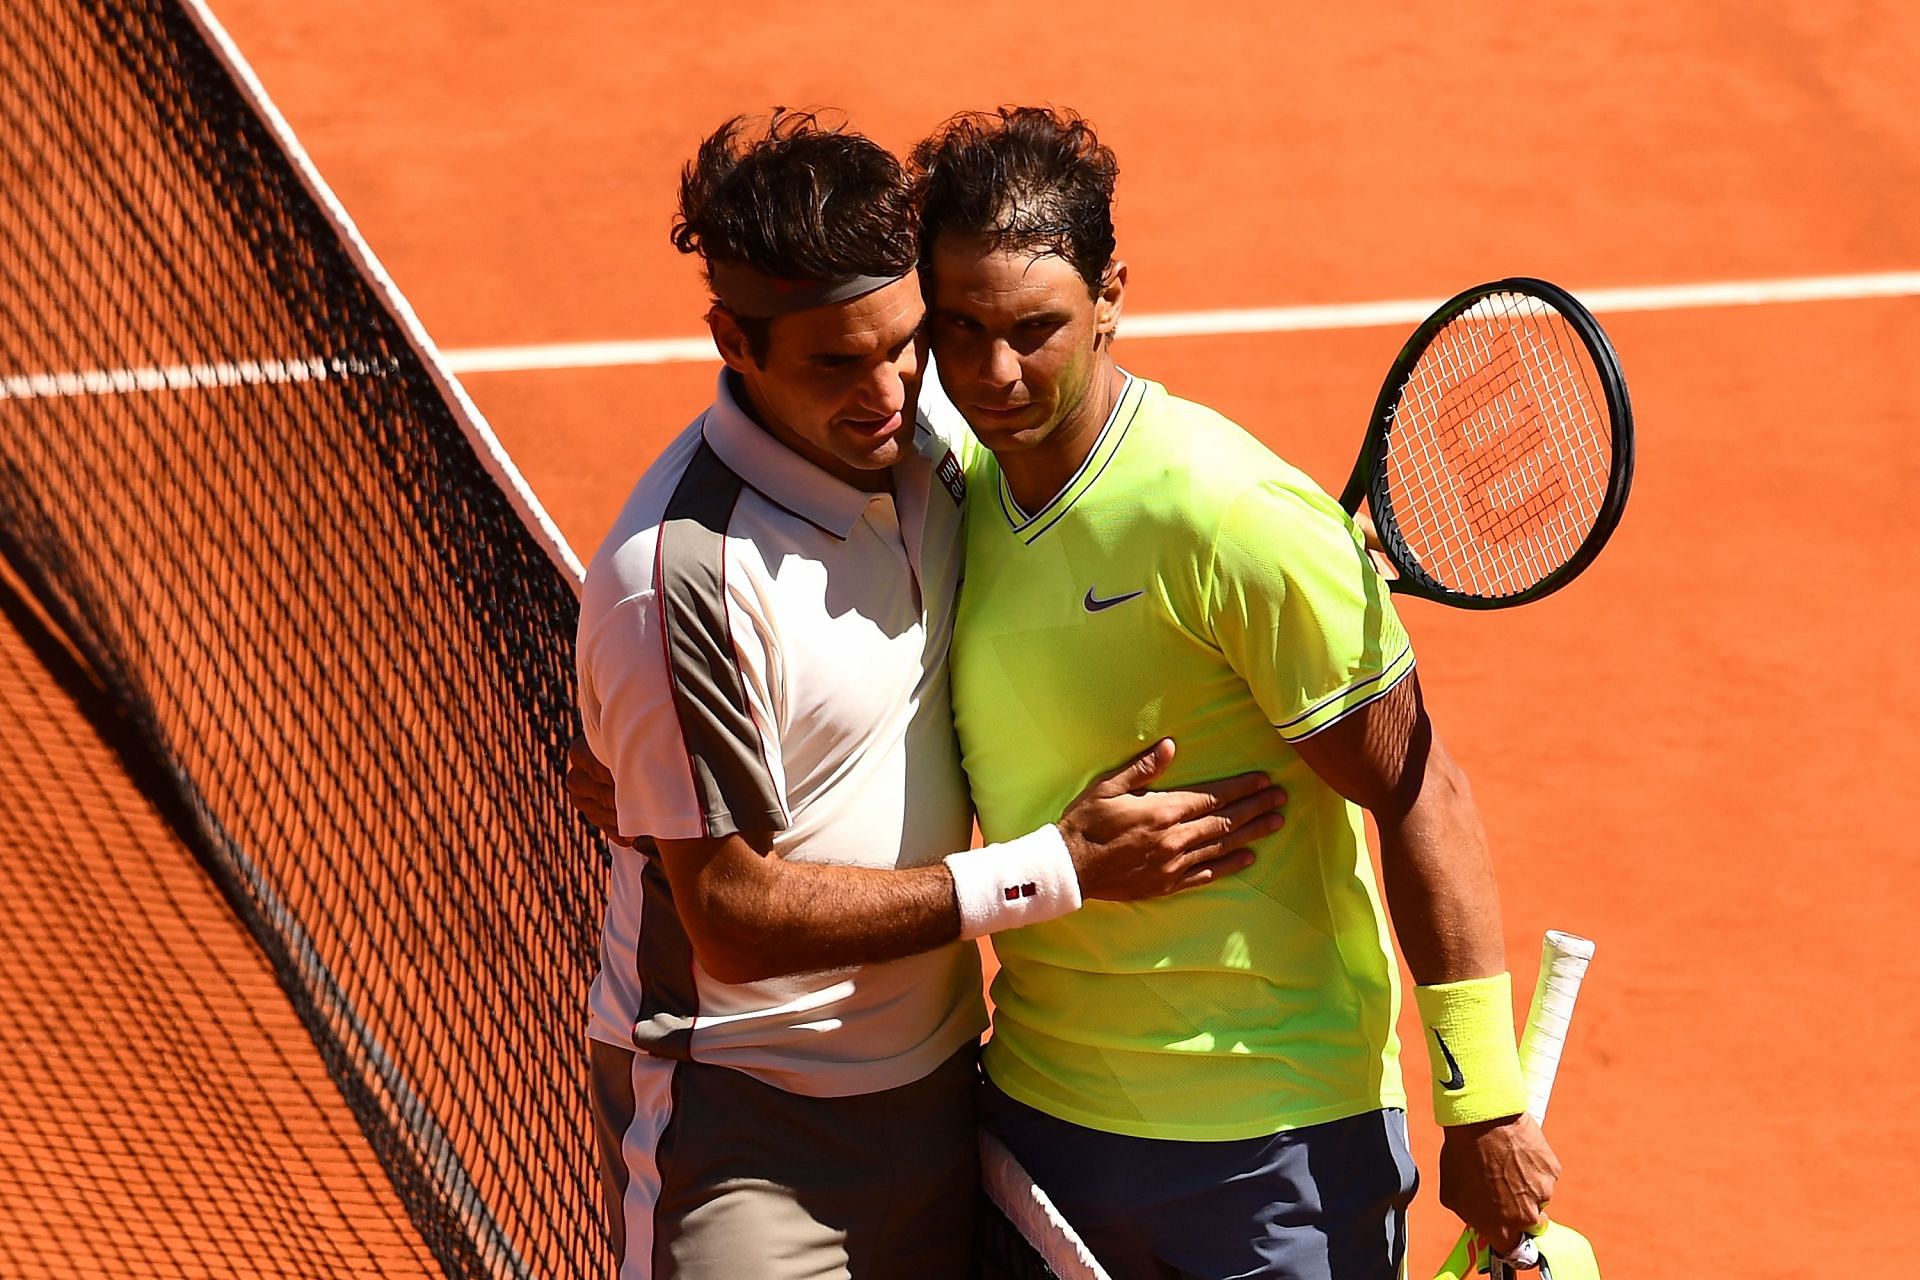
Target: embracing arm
(751, 914)
(1496, 1175)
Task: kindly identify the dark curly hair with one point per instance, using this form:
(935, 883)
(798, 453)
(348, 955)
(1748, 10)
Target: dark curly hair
(798, 198)
(1032, 179)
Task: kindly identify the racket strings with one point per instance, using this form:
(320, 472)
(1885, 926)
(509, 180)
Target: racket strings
(1498, 457)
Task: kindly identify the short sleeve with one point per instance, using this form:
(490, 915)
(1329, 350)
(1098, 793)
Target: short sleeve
(676, 711)
(1300, 612)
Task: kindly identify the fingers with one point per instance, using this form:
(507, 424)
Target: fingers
(1516, 1246)
(1242, 821)
(584, 780)
(1504, 1235)
(1189, 803)
(588, 781)
(1137, 772)
(590, 788)
(1232, 862)
(1497, 1176)
(591, 796)
(1368, 530)
(1207, 850)
(1220, 847)
(1213, 850)
(1504, 1240)
(581, 760)
(1505, 1221)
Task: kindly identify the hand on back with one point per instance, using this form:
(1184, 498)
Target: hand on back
(590, 788)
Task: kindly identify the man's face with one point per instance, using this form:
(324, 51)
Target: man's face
(1016, 335)
(839, 382)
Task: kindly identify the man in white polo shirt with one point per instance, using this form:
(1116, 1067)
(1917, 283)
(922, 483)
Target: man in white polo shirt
(784, 1026)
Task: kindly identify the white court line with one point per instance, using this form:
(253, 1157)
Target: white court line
(1191, 324)
(1171, 324)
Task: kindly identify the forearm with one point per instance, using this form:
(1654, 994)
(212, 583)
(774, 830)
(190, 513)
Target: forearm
(753, 915)
(1439, 880)
(785, 917)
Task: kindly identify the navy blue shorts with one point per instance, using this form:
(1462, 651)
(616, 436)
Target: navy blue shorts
(1325, 1202)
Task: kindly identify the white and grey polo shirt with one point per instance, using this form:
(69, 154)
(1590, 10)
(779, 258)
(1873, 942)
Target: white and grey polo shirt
(763, 646)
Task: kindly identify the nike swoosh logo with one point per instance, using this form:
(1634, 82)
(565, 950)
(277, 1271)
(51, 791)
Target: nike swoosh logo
(1455, 1081)
(1095, 604)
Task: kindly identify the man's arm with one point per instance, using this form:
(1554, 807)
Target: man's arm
(1496, 1175)
(752, 915)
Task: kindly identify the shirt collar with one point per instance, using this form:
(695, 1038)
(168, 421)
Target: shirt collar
(777, 472)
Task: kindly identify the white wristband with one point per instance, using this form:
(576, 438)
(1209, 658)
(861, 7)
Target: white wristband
(1019, 882)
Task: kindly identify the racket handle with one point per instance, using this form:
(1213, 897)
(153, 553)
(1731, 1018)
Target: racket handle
(1563, 965)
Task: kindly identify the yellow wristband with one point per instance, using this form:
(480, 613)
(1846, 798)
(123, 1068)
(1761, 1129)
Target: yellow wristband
(1476, 1067)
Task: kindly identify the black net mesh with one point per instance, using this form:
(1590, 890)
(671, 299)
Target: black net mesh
(165, 1113)
(240, 495)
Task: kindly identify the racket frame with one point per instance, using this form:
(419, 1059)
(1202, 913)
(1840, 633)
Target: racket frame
(1368, 480)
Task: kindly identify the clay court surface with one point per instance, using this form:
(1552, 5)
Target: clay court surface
(1702, 754)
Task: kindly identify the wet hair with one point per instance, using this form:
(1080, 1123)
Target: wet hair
(797, 198)
(1027, 179)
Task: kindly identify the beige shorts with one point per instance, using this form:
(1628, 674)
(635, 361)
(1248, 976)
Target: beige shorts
(710, 1174)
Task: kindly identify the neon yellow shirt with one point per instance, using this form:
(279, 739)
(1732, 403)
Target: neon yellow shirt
(1185, 584)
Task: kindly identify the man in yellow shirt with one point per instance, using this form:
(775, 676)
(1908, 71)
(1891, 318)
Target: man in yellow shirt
(1209, 1085)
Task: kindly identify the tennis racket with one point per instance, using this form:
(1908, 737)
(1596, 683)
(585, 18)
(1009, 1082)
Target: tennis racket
(1021, 1235)
(1500, 453)
(1558, 1252)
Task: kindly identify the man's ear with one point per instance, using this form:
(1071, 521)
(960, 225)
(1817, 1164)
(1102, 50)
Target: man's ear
(729, 339)
(1108, 302)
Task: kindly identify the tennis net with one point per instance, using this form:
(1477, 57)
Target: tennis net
(334, 626)
(329, 625)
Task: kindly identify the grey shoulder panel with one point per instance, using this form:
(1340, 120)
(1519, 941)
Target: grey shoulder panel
(730, 773)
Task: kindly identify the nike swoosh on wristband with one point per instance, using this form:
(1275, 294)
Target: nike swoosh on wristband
(1455, 1081)
(1095, 605)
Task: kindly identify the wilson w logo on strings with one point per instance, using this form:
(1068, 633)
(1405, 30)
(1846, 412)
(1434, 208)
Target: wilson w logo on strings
(1507, 479)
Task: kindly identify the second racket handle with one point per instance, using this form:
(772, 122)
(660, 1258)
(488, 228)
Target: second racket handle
(1563, 965)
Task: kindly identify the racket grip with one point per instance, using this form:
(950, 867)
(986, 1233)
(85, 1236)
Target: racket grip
(1563, 965)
